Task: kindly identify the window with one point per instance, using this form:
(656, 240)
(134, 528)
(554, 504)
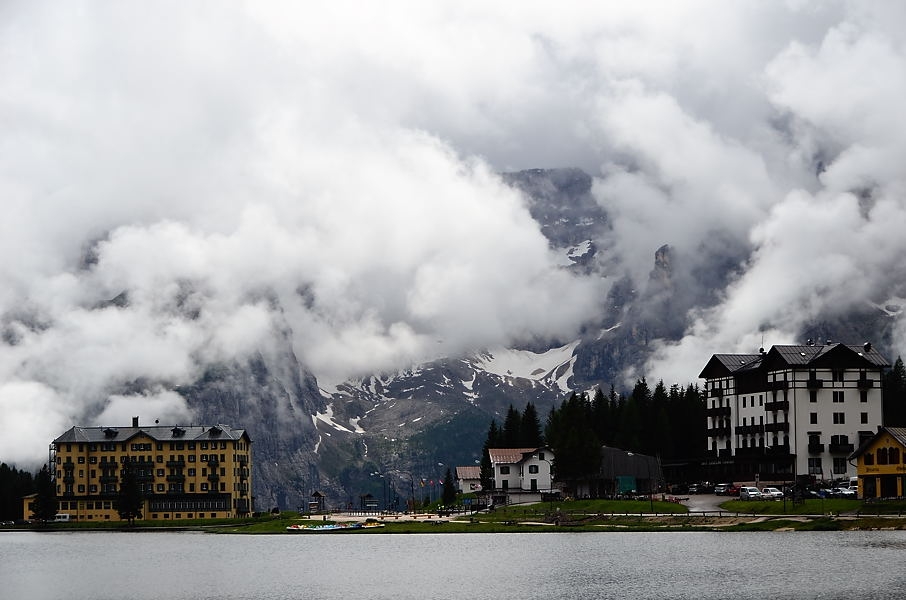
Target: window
(191, 458)
(882, 456)
(839, 418)
(504, 470)
(893, 455)
(863, 395)
(814, 466)
(204, 487)
(863, 418)
(743, 401)
(837, 374)
(540, 455)
(839, 466)
(533, 469)
(760, 399)
(838, 397)
(813, 418)
(813, 395)
(191, 472)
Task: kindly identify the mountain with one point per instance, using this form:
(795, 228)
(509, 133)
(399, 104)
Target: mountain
(393, 435)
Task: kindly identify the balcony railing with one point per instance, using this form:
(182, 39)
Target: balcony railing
(242, 459)
(814, 383)
(718, 411)
(777, 405)
(777, 427)
(176, 477)
(779, 450)
(718, 432)
(864, 383)
(176, 464)
(815, 448)
(743, 429)
(778, 385)
(841, 448)
(716, 393)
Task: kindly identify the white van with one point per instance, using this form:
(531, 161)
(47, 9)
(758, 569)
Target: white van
(62, 518)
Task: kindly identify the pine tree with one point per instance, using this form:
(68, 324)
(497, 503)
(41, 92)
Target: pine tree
(14, 484)
(530, 428)
(487, 470)
(512, 428)
(45, 505)
(449, 493)
(129, 500)
(895, 395)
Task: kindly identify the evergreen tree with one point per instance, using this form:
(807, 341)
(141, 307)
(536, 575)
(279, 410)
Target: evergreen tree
(129, 500)
(14, 484)
(45, 505)
(895, 395)
(512, 428)
(449, 493)
(530, 428)
(571, 436)
(487, 470)
(660, 440)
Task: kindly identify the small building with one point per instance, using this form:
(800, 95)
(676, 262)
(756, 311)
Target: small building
(318, 502)
(191, 472)
(468, 480)
(522, 475)
(881, 464)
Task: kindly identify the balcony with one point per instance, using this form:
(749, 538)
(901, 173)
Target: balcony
(108, 479)
(814, 383)
(243, 459)
(777, 405)
(719, 411)
(214, 477)
(778, 385)
(212, 461)
(69, 477)
(178, 477)
(865, 383)
(841, 448)
(815, 448)
(716, 393)
(725, 453)
(750, 451)
(243, 473)
(777, 427)
(744, 429)
(176, 464)
(718, 432)
(779, 450)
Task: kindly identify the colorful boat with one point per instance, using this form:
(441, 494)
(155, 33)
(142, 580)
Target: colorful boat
(298, 528)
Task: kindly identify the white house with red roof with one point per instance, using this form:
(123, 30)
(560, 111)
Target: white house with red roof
(522, 475)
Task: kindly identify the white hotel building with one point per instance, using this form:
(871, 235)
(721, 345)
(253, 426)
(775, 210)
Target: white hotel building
(793, 410)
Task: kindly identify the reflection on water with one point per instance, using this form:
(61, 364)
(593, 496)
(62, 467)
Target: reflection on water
(629, 566)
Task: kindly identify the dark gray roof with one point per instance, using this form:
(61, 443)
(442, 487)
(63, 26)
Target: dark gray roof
(726, 364)
(161, 433)
(803, 354)
(795, 355)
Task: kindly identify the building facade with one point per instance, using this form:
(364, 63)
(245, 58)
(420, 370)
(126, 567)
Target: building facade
(793, 410)
(193, 472)
(521, 474)
(881, 464)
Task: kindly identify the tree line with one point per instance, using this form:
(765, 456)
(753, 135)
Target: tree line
(669, 423)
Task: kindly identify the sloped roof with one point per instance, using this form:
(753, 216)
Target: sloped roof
(727, 364)
(509, 455)
(897, 433)
(795, 355)
(160, 433)
(468, 473)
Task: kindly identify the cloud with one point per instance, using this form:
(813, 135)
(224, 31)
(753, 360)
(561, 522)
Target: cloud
(181, 185)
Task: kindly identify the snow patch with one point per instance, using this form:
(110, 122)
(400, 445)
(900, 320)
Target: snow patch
(327, 418)
(555, 365)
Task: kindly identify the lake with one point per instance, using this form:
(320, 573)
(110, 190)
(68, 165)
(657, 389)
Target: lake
(675, 565)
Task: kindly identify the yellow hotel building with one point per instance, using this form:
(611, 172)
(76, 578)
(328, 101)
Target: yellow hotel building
(881, 464)
(192, 472)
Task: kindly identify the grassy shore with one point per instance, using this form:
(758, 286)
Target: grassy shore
(574, 516)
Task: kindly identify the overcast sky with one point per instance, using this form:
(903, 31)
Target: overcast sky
(240, 169)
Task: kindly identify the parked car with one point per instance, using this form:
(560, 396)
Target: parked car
(843, 492)
(732, 490)
(748, 492)
(721, 489)
(771, 493)
(693, 488)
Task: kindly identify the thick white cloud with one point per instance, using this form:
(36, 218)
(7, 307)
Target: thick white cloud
(232, 170)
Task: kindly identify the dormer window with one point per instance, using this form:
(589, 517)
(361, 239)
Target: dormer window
(110, 433)
(178, 431)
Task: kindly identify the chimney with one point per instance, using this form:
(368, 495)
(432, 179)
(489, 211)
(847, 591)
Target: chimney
(135, 421)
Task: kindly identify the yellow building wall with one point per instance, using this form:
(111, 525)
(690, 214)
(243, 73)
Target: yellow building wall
(882, 468)
(86, 490)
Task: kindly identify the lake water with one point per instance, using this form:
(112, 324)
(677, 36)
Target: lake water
(628, 566)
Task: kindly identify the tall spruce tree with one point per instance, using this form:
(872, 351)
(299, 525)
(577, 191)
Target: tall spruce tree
(895, 395)
(448, 496)
(486, 473)
(512, 429)
(129, 500)
(45, 505)
(14, 484)
(530, 428)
